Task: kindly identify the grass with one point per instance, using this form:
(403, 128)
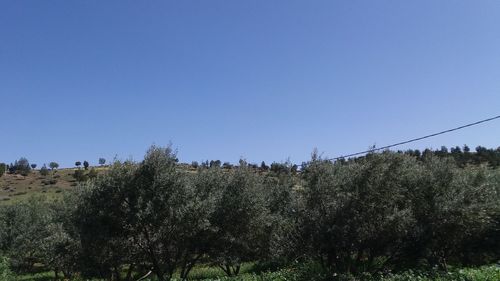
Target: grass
(304, 273)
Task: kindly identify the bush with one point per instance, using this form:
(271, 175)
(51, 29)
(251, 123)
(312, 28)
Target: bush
(44, 171)
(92, 174)
(3, 168)
(5, 272)
(79, 175)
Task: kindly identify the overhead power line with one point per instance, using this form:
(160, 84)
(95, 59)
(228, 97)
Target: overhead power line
(415, 139)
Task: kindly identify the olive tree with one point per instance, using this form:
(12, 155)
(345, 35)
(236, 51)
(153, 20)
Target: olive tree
(452, 207)
(53, 165)
(150, 212)
(239, 221)
(355, 216)
(25, 225)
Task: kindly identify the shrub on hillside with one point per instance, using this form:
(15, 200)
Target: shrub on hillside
(44, 171)
(3, 168)
(92, 174)
(79, 175)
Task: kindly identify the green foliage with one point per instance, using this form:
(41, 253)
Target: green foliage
(5, 272)
(26, 224)
(3, 169)
(44, 171)
(148, 211)
(388, 209)
(452, 207)
(79, 175)
(92, 174)
(354, 214)
(102, 161)
(355, 219)
(53, 165)
(85, 165)
(464, 156)
(263, 166)
(239, 220)
(21, 166)
(215, 163)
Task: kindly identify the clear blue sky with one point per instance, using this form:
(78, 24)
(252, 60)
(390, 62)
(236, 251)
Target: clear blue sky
(263, 80)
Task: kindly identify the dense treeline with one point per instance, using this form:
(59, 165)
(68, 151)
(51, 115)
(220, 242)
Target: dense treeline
(463, 156)
(385, 211)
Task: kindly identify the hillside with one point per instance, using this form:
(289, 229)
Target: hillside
(15, 187)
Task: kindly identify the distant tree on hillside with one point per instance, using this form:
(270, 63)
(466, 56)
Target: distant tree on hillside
(85, 165)
(102, 161)
(22, 166)
(462, 156)
(215, 163)
(194, 164)
(78, 164)
(263, 166)
(44, 171)
(33, 166)
(279, 168)
(53, 165)
(3, 168)
(11, 169)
